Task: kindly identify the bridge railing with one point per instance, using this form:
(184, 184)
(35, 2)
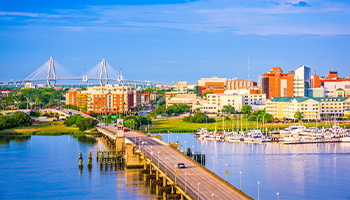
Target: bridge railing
(171, 176)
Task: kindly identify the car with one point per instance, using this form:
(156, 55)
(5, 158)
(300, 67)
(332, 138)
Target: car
(126, 129)
(181, 165)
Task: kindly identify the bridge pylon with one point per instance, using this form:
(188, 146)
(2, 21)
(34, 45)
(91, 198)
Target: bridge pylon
(103, 67)
(51, 69)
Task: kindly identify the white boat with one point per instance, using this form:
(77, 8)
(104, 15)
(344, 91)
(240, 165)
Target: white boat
(345, 139)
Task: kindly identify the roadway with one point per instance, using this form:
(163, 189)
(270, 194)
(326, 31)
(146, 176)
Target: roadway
(168, 159)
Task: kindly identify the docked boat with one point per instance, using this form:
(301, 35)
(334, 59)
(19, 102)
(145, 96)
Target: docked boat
(345, 139)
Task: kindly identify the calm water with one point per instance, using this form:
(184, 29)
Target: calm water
(46, 167)
(307, 171)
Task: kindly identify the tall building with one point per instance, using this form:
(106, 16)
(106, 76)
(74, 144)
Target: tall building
(137, 97)
(301, 81)
(272, 81)
(236, 84)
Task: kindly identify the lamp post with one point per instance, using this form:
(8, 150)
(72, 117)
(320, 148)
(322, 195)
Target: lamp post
(278, 196)
(258, 190)
(226, 172)
(198, 189)
(168, 138)
(240, 180)
(212, 196)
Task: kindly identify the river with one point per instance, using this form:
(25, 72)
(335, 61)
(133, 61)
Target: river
(304, 171)
(46, 167)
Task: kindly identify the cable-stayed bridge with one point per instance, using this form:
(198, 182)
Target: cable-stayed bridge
(53, 73)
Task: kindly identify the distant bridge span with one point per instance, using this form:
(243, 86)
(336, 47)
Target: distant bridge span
(50, 72)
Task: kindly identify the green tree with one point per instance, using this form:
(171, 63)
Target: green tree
(228, 109)
(298, 116)
(73, 119)
(246, 109)
(21, 118)
(86, 124)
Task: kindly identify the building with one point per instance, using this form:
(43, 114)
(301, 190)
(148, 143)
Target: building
(257, 101)
(110, 99)
(236, 84)
(311, 108)
(29, 85)
(153, 97)
(180, 87)
(82, 100)
(271, 82)
(187, 99)
(137, 97)
(316, 92)
(71, 96)
(331, 87)
(211, 85)
(301, 81)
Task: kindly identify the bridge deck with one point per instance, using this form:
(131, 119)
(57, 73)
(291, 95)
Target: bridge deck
(168, 158)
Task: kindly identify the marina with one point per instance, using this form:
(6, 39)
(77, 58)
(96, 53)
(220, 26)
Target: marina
(295, 134)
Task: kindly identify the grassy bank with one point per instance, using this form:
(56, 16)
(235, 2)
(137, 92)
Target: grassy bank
(46, 128)
(177, 125)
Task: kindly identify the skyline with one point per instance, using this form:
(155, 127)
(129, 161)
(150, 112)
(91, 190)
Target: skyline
(180, 40)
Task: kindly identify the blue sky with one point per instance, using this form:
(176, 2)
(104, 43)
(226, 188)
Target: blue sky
(175, 40)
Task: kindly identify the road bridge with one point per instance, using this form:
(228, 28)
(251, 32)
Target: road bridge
(193, 182)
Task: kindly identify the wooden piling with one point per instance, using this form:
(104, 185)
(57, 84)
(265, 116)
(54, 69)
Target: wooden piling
(80, 160)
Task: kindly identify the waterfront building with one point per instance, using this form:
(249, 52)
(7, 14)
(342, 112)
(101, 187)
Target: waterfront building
(257, 101)
(301, 81)
(311, 108)
(110, 99)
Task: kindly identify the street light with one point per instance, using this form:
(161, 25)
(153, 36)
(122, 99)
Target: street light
(258, 190)
(212, 196)
(226, 172)
(168, 138)
(185, 147)
(198, 189)
(240, 180)
(278, 195)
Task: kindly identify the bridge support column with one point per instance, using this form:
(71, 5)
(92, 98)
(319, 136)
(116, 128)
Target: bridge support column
(119, 144)
(157, 175)
(181, 196)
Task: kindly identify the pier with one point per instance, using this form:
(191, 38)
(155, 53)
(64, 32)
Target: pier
(159, 162)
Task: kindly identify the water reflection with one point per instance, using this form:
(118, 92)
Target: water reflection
(50, 163)
(307, 171)
(6, 139)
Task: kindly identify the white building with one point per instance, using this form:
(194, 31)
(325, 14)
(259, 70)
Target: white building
(330, 88)
(301, 81)
(257, 101)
